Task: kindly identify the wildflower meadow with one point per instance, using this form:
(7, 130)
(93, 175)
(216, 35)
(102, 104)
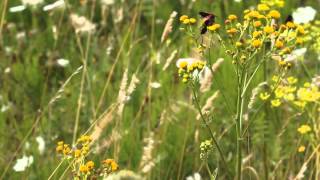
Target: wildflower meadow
(160, 89)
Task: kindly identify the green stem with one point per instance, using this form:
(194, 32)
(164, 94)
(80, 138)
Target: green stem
(196, 100)
(242, 78)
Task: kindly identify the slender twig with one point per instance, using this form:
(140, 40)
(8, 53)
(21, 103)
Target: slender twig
(196, 100)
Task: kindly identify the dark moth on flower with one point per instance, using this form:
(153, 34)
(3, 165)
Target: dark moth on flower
(208, 18)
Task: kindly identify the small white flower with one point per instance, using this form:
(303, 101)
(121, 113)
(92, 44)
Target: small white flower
(5, 107)
(81, 24)
(32, 2)
(296, 54)
(17, 8)
(195, 176)
(237, 0)
(7, 70)
(57, 4)
(23, 163)
(107, 2)
(304, 15)
(155, 85)
(41, 144)
(63, 62)
(27, 145)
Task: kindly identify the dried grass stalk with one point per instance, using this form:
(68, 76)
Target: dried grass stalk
(169, 60)
(168, 28)
(209, 104)
(206, 80)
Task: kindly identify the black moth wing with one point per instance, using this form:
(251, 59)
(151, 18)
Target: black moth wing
(289, 19)
(204, 14)
(203, 29)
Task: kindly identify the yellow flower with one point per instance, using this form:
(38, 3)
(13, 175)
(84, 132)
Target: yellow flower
(232, 31)
(263, 7)
(60, 143)
(238, 44)
(66, 149)
(301, 149)
(59, 149)
(183, 64)
(300, 30)
(256, 43)
(300, 104)
(299, 41)
(90, 165)
(268, 29)
(279, 92)
(264, 96)
(186, 21)
(77, 153)
(257, 23)
(110, 163)
(253, 14)
(289, 97)
(256, 34)
(290, 25)
(232, 17)
(274, 14)
(292, 80)
(307, 85)
(279, 44)
(192, 20)
(275, 78)
(304, 129)
(84, 169)
(183, 17)
(214, 27)
(114, 166)
(275, 103)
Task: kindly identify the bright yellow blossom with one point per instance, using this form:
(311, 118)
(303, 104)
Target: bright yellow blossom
(256, 43)
(275, 103)
(183, 17)
(232, 17)
(268, 29)
(257, 24)
(279, 44)
(301, 149)
(274, 14)
(214, 27)
(264, 96)
(192, 20)
(304, 129)
(263, 7)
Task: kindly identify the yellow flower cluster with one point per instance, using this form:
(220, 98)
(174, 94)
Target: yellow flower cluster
(63, 148)
(274, 3)
(87, 167)
(287, 91)
(304, 129)
(184, 19)
(258, 29)
(188, 66)
(78, 154)
(110, 165)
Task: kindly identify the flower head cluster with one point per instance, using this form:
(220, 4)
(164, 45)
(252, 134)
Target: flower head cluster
(110, 165)
(286, 90)
(275, 3)
(79, 153)
(189, 68)
(304, 129)
(87, 167)
(184, 19)
(205, 148)
(63, 148)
